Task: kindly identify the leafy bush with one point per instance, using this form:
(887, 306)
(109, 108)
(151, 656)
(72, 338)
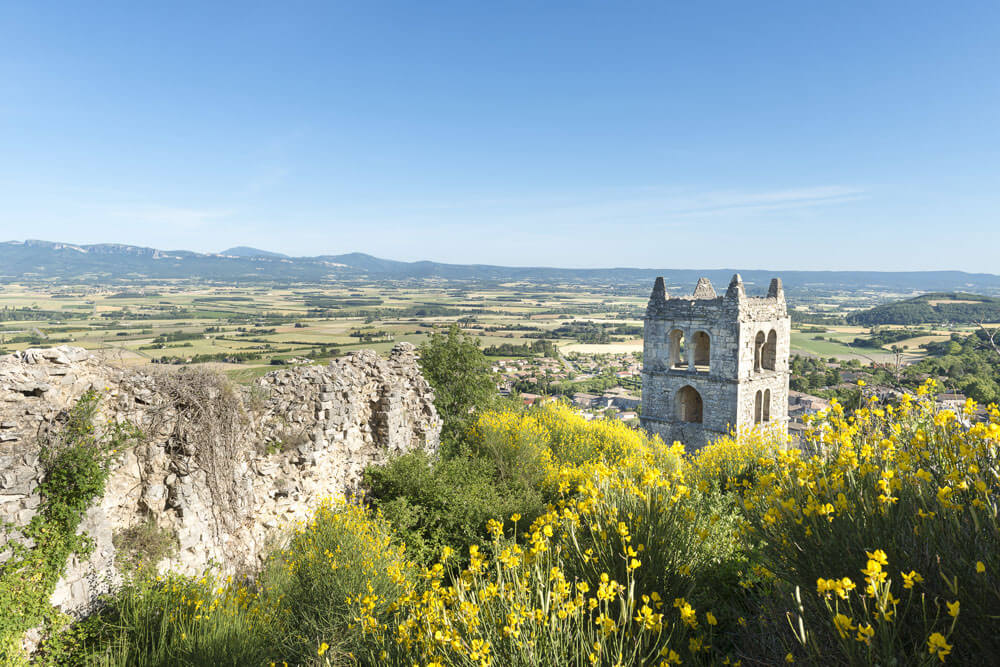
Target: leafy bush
(462, 380)
(342, 574)
(75, 457)
(434, 504)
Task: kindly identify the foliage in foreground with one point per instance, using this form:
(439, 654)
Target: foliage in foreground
(462, 380)
(446, 503)
(891, 534)
(880, 548)
(75, 458)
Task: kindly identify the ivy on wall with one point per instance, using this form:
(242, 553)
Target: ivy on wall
(76, 458)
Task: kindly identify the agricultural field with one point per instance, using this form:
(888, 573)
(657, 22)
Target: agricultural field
(247, 331)
(837, 341)
(625, 347)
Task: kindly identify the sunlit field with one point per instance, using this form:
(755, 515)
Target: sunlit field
(246, 331)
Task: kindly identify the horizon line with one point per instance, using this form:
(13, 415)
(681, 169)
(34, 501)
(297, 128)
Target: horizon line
(222, 254)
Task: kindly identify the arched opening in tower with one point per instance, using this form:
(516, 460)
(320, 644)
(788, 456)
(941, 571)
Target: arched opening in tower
(688, 405)
(677, 349)
(702, 351)
(769, 353)
(766, 413)
(758, 346)
(757, 409)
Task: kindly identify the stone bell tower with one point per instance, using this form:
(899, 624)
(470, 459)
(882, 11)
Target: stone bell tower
(712, 363)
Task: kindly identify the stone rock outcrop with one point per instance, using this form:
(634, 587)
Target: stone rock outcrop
(225, 471)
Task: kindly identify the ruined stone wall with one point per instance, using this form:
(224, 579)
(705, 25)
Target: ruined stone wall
(227, 493)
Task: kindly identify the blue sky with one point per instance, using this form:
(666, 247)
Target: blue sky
(795, 135)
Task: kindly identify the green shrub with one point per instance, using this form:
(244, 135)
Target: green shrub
(172, 620)
(433, 504)
(75, 458)
(462, 379)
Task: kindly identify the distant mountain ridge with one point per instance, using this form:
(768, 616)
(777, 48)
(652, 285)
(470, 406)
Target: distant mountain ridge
(114, 262)
(247, 251)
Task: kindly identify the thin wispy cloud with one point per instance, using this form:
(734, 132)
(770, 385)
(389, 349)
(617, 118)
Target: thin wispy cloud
(561, 229)
(720, 203)
(184, 218)
(621, 206)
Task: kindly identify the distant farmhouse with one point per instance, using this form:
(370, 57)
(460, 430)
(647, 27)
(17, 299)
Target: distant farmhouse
(714, 363)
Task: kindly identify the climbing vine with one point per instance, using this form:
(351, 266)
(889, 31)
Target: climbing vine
(75, 457)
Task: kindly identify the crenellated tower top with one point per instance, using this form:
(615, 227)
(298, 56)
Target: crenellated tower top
(705, 303)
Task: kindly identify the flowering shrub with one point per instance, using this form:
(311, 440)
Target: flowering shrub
(600, 578)
(341, 574)
(570, 449)
(880, 547)
(915, 487)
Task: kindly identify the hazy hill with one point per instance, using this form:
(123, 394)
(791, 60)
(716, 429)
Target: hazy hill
(247, 251)
(109, 262)
(115, 262)
(936, 307)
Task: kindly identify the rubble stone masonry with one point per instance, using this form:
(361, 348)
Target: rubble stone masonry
(303, 434)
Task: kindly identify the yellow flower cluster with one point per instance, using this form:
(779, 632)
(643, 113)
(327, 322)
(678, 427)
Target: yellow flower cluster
(634, 520)
(575, 583)
(572, 450)
(895, 475)
(582, 573)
